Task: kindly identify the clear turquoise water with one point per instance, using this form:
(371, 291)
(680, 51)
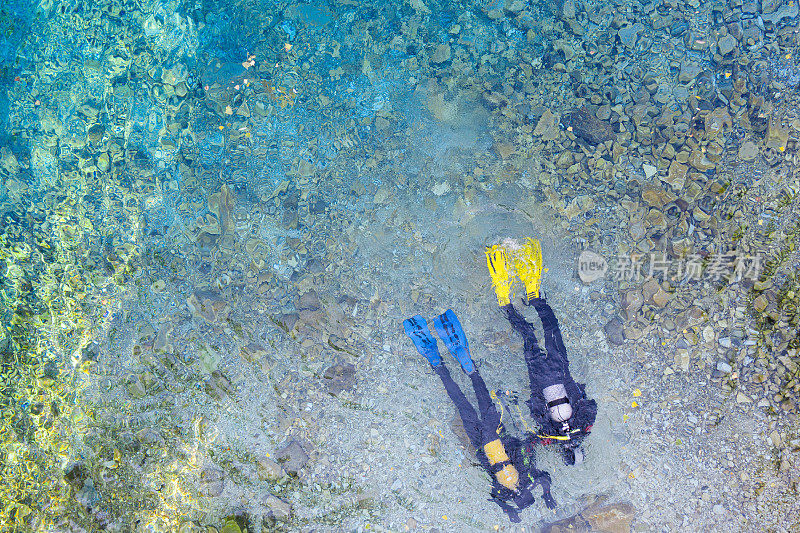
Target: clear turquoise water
(208, 206)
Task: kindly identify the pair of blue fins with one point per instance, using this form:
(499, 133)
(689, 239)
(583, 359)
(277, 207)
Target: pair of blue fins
(449, 330)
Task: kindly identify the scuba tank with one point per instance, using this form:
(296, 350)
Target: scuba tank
(507, 476)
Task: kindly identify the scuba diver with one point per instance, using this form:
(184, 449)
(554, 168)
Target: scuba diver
(558, 404)
(511, 462)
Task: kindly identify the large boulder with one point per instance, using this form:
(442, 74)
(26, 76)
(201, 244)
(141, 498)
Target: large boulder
(587, 126)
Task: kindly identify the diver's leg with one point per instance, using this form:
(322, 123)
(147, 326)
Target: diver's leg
(490, 418)
(469, 418)
(553, 342)
(523, 327)
(532, 351)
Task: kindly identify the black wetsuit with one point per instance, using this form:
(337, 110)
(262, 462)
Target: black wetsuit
(551, 367)
(487, 428)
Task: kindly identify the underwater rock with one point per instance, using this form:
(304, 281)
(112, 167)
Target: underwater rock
(760, 303)
(656, 196)
(310, 14)
(614, 332)
(309, 301)
(591, 266)
(269, 469)
(191, 527)
(149, 437)
(292, 457)
(748, 151)
(564, 160)
(777, 136)
(628, 34)
(699, 160)
(568, 10)
(95, 134)
(208, 305)
(253, 352)
(682, 360)
(287, 321)
(290, 218)
(208, 228)
(8, 161)
(136, 388)
(547, 127)
(175, 75)
(218, 386)
(676, 176)
(212, 481)
(222, 203)
(339, 377)
(309, 308)
(573, 524)
(616, 518)
(441, 54)
(727, 44)
(76, 476)
(588, 127)
(382, 196)
(633, 331)
(441, 189)
(649, 290)
(88, 495)
(632, 301)
(89, 109)
(661, 298)
(637, 227)
(457, 427)
(348, 304)
(103, 163)
(90, 352)
(208, 359)
(280, 509)
(442, 109)
(514, 6)
(230, 527)
(689, 71)
(717, 122)
(158, 286)
(317, 206)
(788, 10)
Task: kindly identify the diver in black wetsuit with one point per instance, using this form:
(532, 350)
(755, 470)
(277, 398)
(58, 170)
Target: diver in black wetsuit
(558, 404)
(510, 461)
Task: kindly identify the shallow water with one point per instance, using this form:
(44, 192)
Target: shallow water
(215, 218)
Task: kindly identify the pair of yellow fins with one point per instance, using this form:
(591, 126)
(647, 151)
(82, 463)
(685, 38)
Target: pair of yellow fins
(511, 260)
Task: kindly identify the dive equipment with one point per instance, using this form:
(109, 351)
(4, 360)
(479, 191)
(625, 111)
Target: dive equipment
(527, 261)
(497, 261)
(452, 334)
(510, 260)
(496, 454)
(557, 402)
(416, 328)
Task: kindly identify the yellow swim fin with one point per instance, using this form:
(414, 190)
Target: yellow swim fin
(528, 263)
(497, 261)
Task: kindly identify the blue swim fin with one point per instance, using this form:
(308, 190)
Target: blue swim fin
(416, 328)
(450, 331)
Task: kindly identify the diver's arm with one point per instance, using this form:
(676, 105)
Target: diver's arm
(524, 498)
(499, 499)
(542, 477)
